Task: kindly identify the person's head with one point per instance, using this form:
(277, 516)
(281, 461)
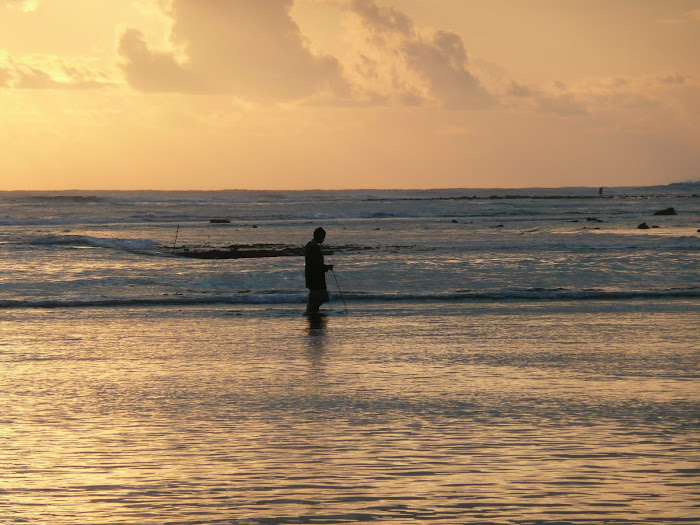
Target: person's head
(319, 235)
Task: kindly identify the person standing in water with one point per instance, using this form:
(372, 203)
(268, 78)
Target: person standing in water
(315, 271)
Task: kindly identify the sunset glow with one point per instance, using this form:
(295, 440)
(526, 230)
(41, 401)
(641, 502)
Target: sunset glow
(300, 94)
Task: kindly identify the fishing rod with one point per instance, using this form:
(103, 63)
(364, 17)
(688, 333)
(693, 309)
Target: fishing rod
(176, 232)
(341, 291)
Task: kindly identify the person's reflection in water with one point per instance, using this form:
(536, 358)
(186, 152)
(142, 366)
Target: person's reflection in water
(316, 331)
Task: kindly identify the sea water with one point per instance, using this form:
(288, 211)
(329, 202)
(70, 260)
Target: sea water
(506, 356)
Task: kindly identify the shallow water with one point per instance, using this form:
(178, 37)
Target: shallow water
(116, 247)
(433, 412)
(504, 361)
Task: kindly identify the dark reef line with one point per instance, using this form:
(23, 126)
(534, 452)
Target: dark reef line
(256, 251)
(536, 197)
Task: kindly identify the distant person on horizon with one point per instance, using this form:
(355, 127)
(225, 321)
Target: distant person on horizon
(315, 271)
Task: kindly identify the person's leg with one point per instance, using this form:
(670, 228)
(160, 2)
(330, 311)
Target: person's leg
(313, 305)
(316, 299)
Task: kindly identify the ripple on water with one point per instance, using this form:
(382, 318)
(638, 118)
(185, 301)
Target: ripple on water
(258, 426)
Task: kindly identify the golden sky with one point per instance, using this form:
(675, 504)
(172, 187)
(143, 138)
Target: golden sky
(301, 94)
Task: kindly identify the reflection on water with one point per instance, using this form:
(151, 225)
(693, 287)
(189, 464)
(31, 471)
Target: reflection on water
(316, 333)
(514, 413)
(317, 324)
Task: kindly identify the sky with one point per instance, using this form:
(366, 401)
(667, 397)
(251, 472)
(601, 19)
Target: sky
(339, 94)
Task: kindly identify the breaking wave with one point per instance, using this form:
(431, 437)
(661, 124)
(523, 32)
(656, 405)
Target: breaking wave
(96, 242)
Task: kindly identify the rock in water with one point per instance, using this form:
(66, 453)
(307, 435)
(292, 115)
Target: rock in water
(643, 226)
(667, 211)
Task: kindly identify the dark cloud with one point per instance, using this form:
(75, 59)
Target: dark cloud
(249, 48)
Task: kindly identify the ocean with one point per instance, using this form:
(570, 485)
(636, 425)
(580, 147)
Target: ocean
(500, 356)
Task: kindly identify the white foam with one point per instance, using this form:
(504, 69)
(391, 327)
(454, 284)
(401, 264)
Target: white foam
(96, 242)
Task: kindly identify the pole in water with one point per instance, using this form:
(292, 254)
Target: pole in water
(176, 232)
(341, 291)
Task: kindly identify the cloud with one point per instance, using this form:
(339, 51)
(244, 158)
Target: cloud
(256, 51)
(27, 77)
(50, 73)
(383, 21)
(249, 48)
(566, 104)
(688, 17)
(443, 62)
(419, 68)
(153, 71)
(600, 95)
(519, 90)
(5, 77)
(673, 79)
(23, 5)
(557, 99)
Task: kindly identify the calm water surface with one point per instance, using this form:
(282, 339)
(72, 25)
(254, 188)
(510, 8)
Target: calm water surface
(496, 412)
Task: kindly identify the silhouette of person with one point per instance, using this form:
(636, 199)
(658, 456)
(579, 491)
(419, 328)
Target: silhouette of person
(315, 271)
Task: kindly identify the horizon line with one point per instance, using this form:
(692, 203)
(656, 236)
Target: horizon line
(349, 189)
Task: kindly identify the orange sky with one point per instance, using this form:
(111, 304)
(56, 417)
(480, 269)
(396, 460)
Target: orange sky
(294, 94)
